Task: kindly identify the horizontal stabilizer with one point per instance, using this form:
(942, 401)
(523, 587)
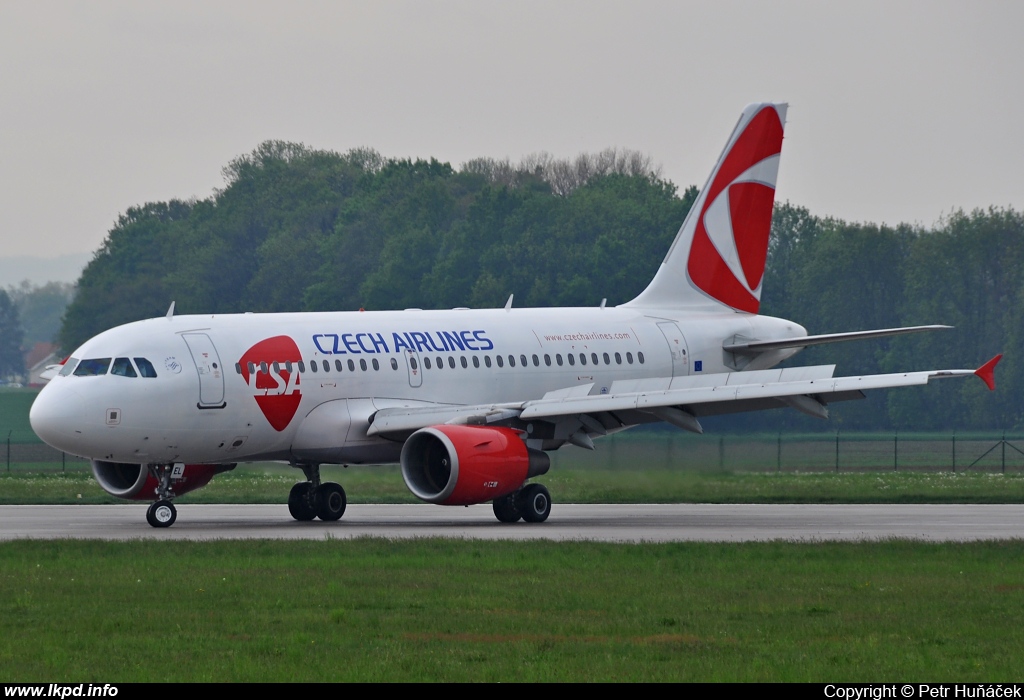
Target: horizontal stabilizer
(758, 346)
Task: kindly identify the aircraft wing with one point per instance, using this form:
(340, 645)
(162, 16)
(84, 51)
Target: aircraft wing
(677, 400)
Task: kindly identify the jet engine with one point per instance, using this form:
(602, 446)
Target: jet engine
(459, 465)
(135, 482)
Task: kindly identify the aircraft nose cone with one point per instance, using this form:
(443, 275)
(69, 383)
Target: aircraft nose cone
(57, 416)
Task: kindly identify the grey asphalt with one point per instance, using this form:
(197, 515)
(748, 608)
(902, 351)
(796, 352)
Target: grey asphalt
(607, 523)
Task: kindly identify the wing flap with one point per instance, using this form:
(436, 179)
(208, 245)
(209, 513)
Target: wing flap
(730, 390)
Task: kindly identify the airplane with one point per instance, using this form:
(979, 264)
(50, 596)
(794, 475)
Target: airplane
(469, 402)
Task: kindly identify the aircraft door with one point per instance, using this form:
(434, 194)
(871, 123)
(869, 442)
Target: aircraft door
(412, 362)
(677, 348)
(208, 365)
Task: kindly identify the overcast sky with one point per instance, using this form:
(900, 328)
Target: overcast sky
(899, 111)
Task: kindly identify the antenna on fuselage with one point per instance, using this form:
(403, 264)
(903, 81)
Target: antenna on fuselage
(170, 311)
(604, 301)
(508, 304)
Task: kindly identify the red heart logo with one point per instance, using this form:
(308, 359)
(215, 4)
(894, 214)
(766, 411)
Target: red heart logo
(276, 389)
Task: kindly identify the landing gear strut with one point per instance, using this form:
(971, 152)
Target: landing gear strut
(313, 499)
(162, 513)
(532, 503)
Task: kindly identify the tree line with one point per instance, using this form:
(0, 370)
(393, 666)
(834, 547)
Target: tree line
(298, 229)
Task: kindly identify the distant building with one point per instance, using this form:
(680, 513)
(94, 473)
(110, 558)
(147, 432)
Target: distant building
(37, 360)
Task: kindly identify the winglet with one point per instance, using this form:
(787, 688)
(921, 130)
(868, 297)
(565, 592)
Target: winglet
(987, 372)
(170, 311)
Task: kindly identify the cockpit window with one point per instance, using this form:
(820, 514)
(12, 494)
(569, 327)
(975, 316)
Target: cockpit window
(145, 367)
(122, 367)
(93, 367)
(69, 366)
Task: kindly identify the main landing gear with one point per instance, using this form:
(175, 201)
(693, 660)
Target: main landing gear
(162, 513)
(313, 499)
(532, 503)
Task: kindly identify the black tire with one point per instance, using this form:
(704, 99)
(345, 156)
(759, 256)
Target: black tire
(330, 501)
(534, 503)
(161, 514)
(300, 501)
(506, 510)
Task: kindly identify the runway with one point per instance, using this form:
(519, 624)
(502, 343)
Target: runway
(605, 523)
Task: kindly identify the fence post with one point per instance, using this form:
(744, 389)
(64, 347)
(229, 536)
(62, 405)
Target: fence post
(837, 451)
(721, 452)
(896, 450)
(778, 454)
(1004, 451)
(63, 462)
(954, 452)
(9, 451)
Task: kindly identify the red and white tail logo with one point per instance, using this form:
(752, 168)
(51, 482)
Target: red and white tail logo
(720, 252)
(730, 243)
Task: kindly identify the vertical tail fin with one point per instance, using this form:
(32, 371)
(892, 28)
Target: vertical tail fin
(718, 256)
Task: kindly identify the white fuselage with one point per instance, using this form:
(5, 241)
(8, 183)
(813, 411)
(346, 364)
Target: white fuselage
(303, 386)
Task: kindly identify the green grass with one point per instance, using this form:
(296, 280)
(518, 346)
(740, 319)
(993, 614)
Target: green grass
(384, 485)
(372, 610)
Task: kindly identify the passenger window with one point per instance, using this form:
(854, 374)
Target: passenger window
(593, 357)
(312, 367)
(547, 359)
(451, 362)
(394, 363)
(440, 363)
(463, 361)
(238, 368)
(69, 366)
(487, 360)
(412, 362)
(327, 366)
(629, 357)
(376, 365)
(426, 362)
(302, 367)
(501, 362)
(511, 360)
(607, 360)
(476, 361)
(522, 360)
(583, 358)
(338, 366)
(352, 366)
(640, 356)
(558, 359)
(618, 359)
(362, 365)
(146, 368)
(572, 359)
(92, 368)
(252, 368)
(122, 367)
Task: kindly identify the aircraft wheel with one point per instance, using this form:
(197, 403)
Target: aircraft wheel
(330, 501)
(506, 510)
(161, 514)
(300, 501)
(534, 503)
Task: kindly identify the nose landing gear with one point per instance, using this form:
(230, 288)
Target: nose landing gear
(162, 513)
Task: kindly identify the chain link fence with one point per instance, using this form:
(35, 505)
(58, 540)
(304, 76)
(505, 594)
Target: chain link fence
(667, 450)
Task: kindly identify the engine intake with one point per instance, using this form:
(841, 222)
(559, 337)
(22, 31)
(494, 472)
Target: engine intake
(458, 465)
(134, 482)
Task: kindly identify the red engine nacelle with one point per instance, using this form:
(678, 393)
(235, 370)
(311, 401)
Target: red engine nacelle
(133, 481)
(459, 465)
